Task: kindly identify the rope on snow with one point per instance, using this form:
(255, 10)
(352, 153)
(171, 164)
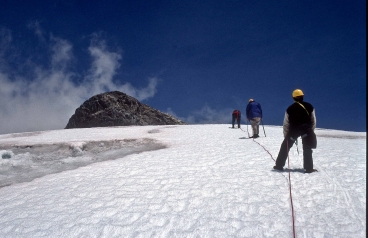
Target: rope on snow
(291, 197)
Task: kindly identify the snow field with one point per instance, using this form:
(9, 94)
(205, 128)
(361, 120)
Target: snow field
(209, 181)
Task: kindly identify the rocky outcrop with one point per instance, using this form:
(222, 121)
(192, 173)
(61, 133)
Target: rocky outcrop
(117, 109)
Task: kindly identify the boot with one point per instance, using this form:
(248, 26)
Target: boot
(308, 171)
(278, 168)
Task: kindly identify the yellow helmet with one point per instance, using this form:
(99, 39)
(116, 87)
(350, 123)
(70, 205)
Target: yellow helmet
(297, 92)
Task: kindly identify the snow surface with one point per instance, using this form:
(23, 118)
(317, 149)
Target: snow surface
(179, 181)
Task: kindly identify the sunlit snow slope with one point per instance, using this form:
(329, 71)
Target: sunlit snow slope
(179, 181)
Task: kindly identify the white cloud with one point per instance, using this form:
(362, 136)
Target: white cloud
(46, 98)
(103, 67)
(62, 53)
(206, 115)
(37, 29)
(141, 94)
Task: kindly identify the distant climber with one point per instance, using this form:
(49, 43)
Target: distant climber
(254, 115)
(236, 116)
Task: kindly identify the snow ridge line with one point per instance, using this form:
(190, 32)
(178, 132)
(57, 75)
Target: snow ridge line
(291, 197)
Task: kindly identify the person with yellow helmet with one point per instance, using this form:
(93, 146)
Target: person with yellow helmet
(299, 120)
(254, 115)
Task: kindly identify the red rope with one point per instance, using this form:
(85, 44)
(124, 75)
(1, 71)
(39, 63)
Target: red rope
(291, 197)
(264, 149)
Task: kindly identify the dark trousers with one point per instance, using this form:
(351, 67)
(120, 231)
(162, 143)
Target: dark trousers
(237, 120)
(284, 151)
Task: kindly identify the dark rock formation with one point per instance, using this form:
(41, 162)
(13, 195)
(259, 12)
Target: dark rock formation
(117, 109)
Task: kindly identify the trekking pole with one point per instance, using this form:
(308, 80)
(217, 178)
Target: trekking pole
(263, 128)
(247, 127)
(296, 143)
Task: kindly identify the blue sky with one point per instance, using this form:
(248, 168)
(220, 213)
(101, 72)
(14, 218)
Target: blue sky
(197, 60)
